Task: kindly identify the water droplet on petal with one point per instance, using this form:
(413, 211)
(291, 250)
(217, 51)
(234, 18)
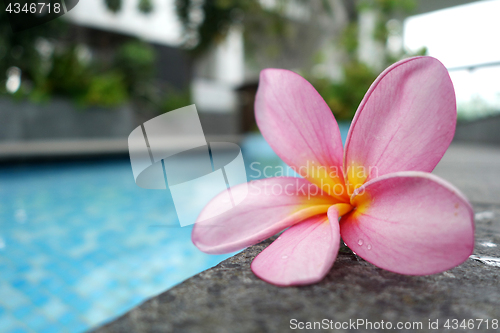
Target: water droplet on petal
(369, 247)
(284, 257)
(360, 242)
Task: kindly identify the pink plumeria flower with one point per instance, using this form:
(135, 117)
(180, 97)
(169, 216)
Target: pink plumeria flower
(386, 206)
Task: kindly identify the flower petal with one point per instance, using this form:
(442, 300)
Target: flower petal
(300, 127)
(303, 254)
(410, 223)
(405, 122)
(270, 206)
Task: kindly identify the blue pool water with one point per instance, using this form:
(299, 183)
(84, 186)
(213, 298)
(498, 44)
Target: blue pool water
(81, 243)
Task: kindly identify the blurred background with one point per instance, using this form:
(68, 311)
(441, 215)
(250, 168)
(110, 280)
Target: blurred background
(80, 243)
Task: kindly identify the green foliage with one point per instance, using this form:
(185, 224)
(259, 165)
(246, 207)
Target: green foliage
(214, 25)
(175, 99)
(145, 6)
(349, 39)
(107, 90)
(92, 83)
(18, 49)
(344, 97)
(388, 7)
(420, 52)
(61, 72)
(113, 5)
(386, 10)
(207, 22)
(85, 83)
(135, 59)
(67, 77)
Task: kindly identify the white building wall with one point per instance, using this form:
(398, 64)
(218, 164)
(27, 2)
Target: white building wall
(221, 71)
(370, 51)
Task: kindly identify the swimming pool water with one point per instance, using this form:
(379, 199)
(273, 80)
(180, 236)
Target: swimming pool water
(80, 243)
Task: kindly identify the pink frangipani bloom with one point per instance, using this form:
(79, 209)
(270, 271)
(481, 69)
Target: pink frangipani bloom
(384, 202)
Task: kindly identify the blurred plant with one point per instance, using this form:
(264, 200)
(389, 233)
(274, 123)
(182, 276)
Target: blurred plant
(343, 96)
(68, 73)
(135, 59)
(20, 49)
(68, 76)
(113, 5)
(107, 90)
(276, 29)
(174, 99)
(87, 83)
(145, 6)
(208, 22)
(43, 63)
(156, 96)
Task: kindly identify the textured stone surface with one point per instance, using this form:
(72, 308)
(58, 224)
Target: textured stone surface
(229, 298)
(475, 170)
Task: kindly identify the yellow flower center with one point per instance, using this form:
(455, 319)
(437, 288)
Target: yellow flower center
(339, 188)
(356, 176)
